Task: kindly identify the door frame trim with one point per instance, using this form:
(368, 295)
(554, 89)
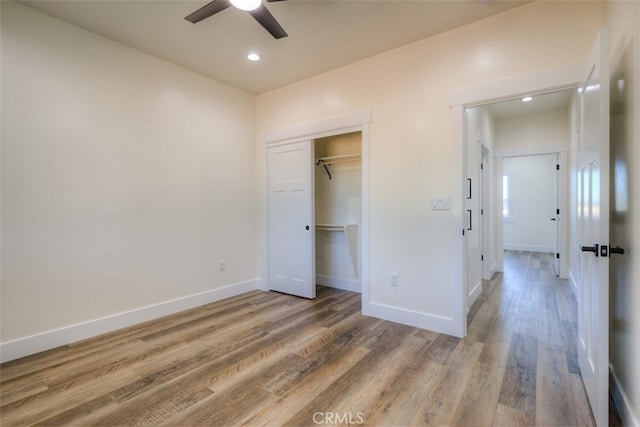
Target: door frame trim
(562, 195)
(354, 122)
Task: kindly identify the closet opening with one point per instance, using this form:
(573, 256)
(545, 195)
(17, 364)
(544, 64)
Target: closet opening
(338, 211)
(318, 174)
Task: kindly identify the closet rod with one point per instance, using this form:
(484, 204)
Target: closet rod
(328, 161)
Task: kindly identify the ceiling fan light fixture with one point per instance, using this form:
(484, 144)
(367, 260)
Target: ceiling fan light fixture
(246, 4)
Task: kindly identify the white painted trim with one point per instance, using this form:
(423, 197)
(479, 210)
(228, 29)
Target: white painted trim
(262, 285)
(529, 248)
(443, 325)
(542, 81)
(339, 283)
(474, 294)
(574, 285)
(621, 401)
(563, 205)
(565, 214)
(318, 129)
(493, 270)
(525, 152)
(487, 217)
(364, 227)
(498, 210)
(459, 275)
(21, 347)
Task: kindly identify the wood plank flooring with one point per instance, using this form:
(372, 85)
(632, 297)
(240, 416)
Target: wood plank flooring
(273, 359)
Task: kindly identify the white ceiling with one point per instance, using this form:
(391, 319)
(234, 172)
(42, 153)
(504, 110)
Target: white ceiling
(323, 34)
(539, 103)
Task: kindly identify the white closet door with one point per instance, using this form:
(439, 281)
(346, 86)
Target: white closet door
(291, 219)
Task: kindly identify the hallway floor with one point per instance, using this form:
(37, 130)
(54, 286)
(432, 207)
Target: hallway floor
(526, 318)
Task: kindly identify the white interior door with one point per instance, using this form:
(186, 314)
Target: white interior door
(556, 220)
(593, 232)
(485, 215)
(473, 226)
(291, 225)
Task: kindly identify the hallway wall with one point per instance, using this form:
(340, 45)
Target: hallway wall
(532, 194)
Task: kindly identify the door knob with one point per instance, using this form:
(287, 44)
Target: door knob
(593, 249)
(617, 250)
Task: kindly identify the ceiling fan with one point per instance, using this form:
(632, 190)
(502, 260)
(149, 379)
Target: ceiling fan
(254, 7)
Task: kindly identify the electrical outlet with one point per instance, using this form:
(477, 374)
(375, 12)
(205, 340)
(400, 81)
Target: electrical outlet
(221, 265)
(395, 279)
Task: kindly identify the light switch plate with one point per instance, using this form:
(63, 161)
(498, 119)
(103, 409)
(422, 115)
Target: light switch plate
(440, 204)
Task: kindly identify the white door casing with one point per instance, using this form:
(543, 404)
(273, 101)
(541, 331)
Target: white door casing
(556, 219)
(291, 227)
(593, 231)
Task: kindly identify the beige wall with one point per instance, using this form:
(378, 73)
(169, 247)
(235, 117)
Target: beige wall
(124, 178)
(412, 133)
(623, 20)
(544, 132)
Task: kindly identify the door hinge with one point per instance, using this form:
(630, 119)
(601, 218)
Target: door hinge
(481, 165)
(481, 257)
(557, 256)
(557, 167)
(481, 211)
(557, 211)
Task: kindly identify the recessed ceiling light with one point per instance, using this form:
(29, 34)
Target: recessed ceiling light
(527, 99)
(253, 56)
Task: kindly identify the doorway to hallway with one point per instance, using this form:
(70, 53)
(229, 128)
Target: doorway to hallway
(504, 207)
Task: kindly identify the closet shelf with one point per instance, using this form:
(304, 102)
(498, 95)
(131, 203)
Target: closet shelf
(351, 236)
(334, 227)
(338, 159)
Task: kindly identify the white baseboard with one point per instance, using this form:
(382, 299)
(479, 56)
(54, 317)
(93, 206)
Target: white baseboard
(474, 294)
(339, 283)
(622, 402)
(443, 325)
(47, 340)
(262, 285)
(529, 248)
(492, 271)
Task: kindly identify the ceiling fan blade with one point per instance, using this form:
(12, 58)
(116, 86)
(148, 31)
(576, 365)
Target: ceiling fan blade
(207, 10)
(266, 19)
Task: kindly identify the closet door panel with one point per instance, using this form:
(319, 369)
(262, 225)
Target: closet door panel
(290, 219)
